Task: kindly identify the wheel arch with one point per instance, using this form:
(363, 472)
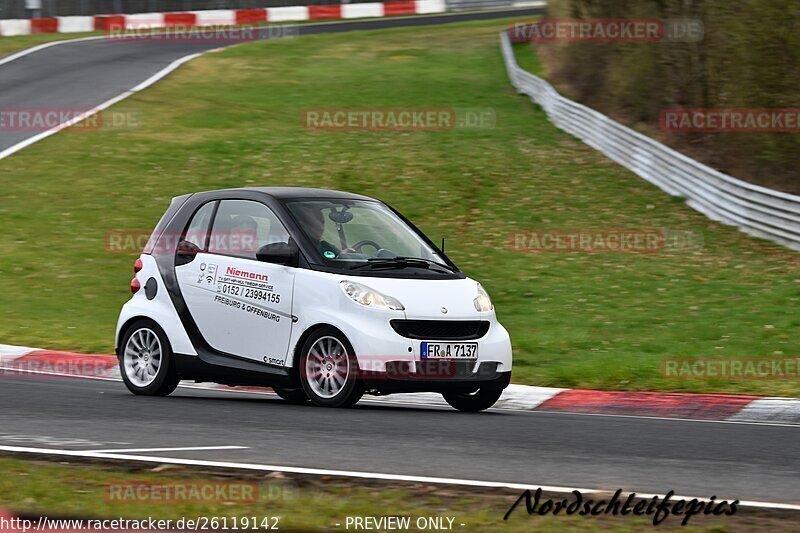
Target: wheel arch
(123, 330)
(304, 337)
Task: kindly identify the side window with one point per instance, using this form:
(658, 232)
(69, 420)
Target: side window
(241, 227)
(197, 230)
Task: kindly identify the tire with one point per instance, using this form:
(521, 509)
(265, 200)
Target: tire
(144, 344)
(291, 395)
(472, 402)
(325, 355)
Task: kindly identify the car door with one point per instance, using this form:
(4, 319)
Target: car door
(242, 306)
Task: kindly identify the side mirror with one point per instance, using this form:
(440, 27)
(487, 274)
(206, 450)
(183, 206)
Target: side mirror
(279, 253)
(185, 253)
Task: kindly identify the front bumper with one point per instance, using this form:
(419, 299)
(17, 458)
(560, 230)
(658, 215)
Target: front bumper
(439, 376)
(389, 362)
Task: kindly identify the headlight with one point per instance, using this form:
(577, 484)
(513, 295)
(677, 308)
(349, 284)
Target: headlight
(370, 297)
(483, 303)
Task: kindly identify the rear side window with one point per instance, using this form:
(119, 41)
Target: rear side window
(176, 203)
(197, 230)
(241, 227)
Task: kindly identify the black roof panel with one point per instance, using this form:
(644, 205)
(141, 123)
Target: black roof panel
(297, 192)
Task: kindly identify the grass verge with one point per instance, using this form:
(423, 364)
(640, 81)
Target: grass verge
(233, 119)
(104, 491)
(10, 45)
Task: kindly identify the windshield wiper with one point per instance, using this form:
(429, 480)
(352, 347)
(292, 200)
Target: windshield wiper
(402, 262)
(431, 262)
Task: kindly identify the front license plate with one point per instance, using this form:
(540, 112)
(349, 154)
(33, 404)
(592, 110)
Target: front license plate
(449, 350)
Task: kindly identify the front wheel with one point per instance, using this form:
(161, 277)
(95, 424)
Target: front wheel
(472, 402)
(329, 370)
(146, 362)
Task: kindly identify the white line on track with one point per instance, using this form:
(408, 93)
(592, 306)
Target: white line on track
(23, 53)
(360, 475)
(105, 105)
(186, 449)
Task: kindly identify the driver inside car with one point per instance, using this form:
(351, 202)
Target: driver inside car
(313, 222)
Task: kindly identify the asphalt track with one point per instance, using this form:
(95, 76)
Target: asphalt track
(693, 458)
(83, 74)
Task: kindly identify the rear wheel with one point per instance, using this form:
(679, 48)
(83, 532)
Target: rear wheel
(472, 402)
(146, 362)
(329, 370)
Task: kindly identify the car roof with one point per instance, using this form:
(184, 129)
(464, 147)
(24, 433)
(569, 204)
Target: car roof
(296, 192)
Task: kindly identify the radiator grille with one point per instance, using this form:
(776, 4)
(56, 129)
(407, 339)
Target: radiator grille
(457, 330)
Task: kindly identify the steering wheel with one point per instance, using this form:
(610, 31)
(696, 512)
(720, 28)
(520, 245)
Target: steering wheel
(366, 242)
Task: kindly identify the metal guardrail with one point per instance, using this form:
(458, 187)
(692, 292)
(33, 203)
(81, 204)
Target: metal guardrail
(755, 210)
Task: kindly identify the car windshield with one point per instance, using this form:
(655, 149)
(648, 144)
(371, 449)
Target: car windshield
(363, 234)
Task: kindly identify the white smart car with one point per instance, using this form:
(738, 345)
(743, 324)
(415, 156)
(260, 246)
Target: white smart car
(321, 295)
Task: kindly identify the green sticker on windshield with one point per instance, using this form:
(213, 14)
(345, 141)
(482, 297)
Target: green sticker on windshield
(329, 255)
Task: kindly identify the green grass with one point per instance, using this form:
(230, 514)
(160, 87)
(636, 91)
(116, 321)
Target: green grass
(9, 45)
(233, 119)
(527, 58)
(80, 490)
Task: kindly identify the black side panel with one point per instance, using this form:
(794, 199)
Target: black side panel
(231, 372)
